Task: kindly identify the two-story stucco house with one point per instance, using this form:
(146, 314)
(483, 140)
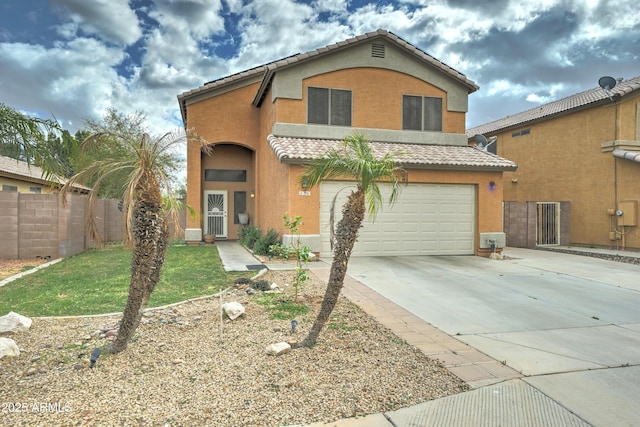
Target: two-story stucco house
(266, 122)
(578, 169)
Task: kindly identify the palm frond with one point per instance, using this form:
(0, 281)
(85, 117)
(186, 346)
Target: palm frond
(356, 160)
(138, 156)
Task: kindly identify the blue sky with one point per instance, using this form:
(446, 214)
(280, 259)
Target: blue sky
(73, 59)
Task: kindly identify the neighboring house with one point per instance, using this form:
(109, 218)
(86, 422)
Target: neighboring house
(19, 176)
(266, 122)
(578, 169)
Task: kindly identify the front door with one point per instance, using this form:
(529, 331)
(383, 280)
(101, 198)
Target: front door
(216, 213)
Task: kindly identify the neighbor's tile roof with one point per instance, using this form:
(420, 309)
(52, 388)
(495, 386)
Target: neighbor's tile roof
(560, 106)
(267, 70)
(17, 169)
(423, 156)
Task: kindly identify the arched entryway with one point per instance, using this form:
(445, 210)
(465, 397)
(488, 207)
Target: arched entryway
(228, 189)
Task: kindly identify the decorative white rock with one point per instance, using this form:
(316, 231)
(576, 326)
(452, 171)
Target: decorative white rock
(8, 347)
(14, 322)
(278, 349)
(233, 309)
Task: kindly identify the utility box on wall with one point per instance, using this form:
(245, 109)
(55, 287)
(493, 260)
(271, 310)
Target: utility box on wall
(627, 213)
(499, 240)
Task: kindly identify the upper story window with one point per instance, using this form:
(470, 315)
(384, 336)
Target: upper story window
(36, 190)
(329, 106)
(521, 132)
(421, 113)
(6, 187)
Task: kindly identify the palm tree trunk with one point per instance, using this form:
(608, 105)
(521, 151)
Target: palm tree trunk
(150, 238)
(346, 235)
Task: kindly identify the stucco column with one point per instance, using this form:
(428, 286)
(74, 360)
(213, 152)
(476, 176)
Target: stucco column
(193, 230)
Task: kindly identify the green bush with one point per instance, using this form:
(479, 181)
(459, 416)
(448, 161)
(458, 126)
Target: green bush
(261, 247)
(261, 285)
(249, 235)
(242, 281)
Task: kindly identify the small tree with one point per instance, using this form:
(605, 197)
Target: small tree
(27, 138)
(143, 160)
(301, 253)
(357, 161)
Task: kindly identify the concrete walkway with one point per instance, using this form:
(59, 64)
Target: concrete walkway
(501, 395)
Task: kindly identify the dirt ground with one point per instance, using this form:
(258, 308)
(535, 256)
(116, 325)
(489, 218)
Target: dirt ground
(9, 267)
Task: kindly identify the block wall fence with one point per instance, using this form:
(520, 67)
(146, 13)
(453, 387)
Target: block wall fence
(40, 225)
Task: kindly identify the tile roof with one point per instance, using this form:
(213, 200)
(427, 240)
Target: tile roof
(564, 105)
(420, 156)
(17, 169)
(267, 70)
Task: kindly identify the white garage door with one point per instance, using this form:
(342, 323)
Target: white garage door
(427, 219)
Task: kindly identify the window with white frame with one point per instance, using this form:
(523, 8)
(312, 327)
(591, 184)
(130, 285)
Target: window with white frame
(328, 106)
(421, 113)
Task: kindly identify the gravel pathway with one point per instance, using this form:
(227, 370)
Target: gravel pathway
(181, 370)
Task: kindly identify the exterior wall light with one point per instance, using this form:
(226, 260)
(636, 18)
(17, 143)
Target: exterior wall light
(492, 185)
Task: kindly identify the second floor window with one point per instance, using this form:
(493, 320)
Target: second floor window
(421, 113)
(329, 106)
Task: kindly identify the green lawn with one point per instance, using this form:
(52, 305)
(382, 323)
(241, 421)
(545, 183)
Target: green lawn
(97, 281)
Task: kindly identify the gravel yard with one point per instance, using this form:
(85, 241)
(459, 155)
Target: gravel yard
(183, 370)
(10, 267)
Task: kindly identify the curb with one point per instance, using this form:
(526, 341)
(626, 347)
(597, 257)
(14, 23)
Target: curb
(24, 273)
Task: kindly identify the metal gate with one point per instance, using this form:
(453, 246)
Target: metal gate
(548, 224)
(216, 213)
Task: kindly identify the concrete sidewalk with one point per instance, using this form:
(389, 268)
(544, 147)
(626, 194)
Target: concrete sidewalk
(501, 396)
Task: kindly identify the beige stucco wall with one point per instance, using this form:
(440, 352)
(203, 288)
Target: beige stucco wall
(562, 160)
(376, 106)
(228, 118)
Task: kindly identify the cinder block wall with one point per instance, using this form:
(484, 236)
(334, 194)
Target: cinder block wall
(71, 226)
(38, 225)
(113, 222)
(516, 224)
(8, 225)
(520, 220)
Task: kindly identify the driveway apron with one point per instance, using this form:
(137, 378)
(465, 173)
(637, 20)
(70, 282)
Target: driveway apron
(570, 324)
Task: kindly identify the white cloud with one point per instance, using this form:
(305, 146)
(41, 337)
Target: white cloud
(335, 6)
(111, 20)
(519, 52)
(69, 80)
(273, 29)
(200, 18)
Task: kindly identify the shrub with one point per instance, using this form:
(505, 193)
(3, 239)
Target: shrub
(279, 250)
(261, 285)
(261, 247)
(242, 281)
(249, 235)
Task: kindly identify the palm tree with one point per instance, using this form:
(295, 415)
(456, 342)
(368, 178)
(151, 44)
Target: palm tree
(356, 160)
(145, 160)
(26, 138)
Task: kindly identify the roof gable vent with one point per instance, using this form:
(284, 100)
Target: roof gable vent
(377, 50)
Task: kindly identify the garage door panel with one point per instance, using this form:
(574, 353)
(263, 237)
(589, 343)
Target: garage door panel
(410, 227)
(427, 219)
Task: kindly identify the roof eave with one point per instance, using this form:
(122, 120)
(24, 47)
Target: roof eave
(471, 168)
(525, 123)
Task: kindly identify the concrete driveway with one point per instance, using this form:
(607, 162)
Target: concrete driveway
(570, 324)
